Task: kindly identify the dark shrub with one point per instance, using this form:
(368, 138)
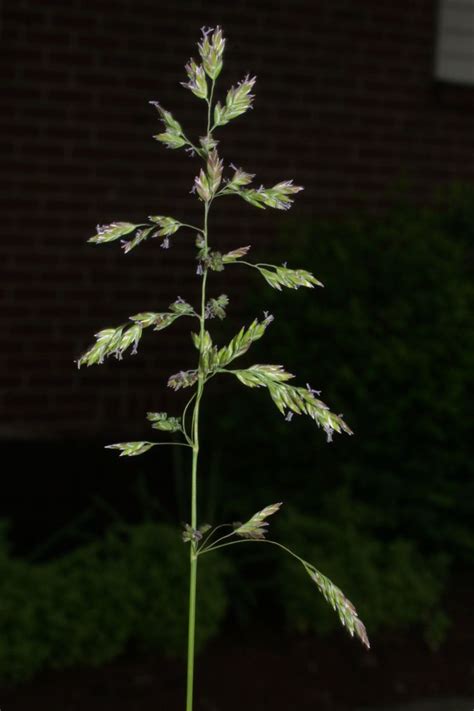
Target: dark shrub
(390, 343)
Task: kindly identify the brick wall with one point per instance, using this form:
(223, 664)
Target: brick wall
(346, 104)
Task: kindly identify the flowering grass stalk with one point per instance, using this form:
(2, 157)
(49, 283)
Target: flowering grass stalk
(213, 360)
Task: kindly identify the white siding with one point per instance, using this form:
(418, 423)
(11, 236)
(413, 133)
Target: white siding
(455, 45)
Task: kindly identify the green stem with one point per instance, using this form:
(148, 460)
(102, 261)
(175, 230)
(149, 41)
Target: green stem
(183, 420)
(195, 440)
(191, 625)
(195, 444)
(209, 107)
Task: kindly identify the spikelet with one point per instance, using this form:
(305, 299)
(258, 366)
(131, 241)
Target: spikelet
(196, 79)
(131, 449)
(291, 278)
(237, 102)
(256, 527)
(109, 233)
(161, 421)
(211, 50)
(173, 136)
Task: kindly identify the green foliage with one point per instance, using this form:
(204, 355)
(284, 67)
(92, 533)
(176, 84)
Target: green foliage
(405, 309)
(88, 607)
(394, 341)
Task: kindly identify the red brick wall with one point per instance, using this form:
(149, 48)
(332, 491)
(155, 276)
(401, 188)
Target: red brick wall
(346, 104)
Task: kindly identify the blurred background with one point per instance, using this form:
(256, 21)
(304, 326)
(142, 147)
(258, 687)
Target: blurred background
(370, 106)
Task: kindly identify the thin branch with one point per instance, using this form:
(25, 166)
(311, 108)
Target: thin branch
(254, 540)
(172, 444)
(192, 227)
(211, 547)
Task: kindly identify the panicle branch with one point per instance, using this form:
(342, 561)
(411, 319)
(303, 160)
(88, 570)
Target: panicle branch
(291, 399)
(340, 603)
(115, 341)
